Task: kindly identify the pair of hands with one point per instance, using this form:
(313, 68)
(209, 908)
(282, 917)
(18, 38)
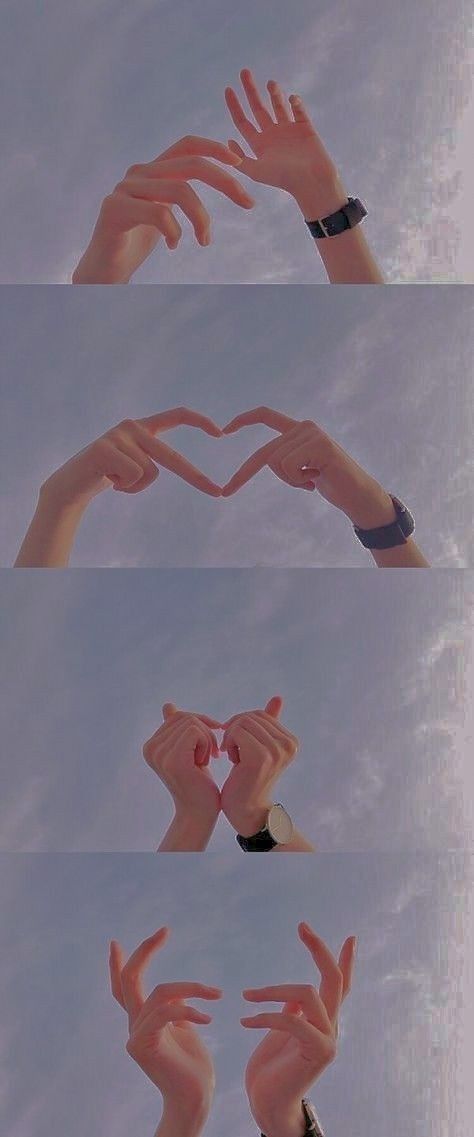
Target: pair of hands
(129, 455)
(259, 749)
(287, 154)
(300, 1043)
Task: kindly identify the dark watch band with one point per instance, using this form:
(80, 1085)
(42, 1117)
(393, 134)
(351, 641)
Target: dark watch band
(312, 1125)
(389, 536)
(262, 842)
(351, 214)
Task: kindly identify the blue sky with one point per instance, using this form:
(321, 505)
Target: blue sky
(406, 1033)
(387, 372)
(388, 87)
(375, 668)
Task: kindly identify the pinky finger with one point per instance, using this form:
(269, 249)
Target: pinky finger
(300, 113)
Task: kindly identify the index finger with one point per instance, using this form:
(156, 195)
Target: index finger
(175, 462)
(266, 415)
(250, 467)
(115, 969)
(180, 416)
(331, 986)
(202, 170)
(132, 972)
(200, 147)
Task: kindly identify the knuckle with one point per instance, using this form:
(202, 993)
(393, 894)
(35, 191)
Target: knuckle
(133, 170)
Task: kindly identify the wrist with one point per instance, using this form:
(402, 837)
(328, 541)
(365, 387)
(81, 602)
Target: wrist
(375, 508)
(287, 1123)
(319, 198)
(54, 500)
(250, 819)
(103, 261)
(187, 1121)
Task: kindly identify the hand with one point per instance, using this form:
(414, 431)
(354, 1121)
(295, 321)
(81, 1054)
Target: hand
(260, 748)
(180, 752)
(305, 457)
(162, 1039)
(135, 216)
(288, 152)
(127, 457)
(301, 1039)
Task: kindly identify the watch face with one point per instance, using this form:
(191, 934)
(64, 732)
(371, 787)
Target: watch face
(280, 825)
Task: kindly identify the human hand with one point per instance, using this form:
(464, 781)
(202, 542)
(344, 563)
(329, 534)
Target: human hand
(288, 152)
(305, 457)
(180, 752)
(260, 748)
(138, 213)
(162, 1039)
(127, 457)
(301, 1039)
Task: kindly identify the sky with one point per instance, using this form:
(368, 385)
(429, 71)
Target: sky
(386, 372)
(388, 87)
(375, 670)
(405, 1036)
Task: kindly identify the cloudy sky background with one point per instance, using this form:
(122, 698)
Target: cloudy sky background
(375, 669)
(387, 372)
(406, 1028)
(389, 88)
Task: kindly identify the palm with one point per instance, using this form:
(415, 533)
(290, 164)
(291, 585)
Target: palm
(282, 150)
(182, 1057)
(276, 1071)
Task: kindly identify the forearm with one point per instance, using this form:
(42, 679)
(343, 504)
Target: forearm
(173, 1124)
(50, 536)
(188, 833)
(298, 844)
(347, 258)
(402, 556)
(376, 509)
(101, 266)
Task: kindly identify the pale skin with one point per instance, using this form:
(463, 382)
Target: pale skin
(138, 215)
(305, 457)
(301, 1039)
(259, 748)
(128, 457)
(290, 155)
(163, 1040)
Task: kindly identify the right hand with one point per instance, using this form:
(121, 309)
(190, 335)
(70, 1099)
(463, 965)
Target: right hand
(260, 748)
(135, 216)
(162, 1039)
(127, 457)
(180, 752)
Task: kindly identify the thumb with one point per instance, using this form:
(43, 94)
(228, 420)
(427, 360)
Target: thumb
(169, 709)
(274, 706)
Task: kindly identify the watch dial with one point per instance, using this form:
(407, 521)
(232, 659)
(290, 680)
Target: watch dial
(280, 825)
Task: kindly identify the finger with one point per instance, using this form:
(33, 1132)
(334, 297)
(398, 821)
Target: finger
(274, 706)
(180, 416)
(132, 972)
(239, 118)
(176, 193)
(200, 147)
(331, 977)
(250, 467)
(295, 1025)
(136, 211)
(261, 114)
(346, 963)
(149, 471)
(279, 102)
(298, 108)
(234, 146)
(200, 169)
(121, 469)
(167, 992)
(171, 1013)
(169, 709)
(303, 994)
(175, 462)
(116, 961)
(266, 415)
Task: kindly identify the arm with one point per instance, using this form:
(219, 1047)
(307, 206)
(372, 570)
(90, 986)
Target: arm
(305, 457)
(180, 752)
(138, 214)
(290, 155)
(126, 457)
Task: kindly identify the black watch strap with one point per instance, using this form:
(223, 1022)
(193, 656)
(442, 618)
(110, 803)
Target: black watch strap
(389, 536)
(351, 214)
(312, 1125)
(262, 842)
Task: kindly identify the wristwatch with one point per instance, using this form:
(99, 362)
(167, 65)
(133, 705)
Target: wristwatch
(278, 830)
(388, 536)
(351, 214)
(312, 1125)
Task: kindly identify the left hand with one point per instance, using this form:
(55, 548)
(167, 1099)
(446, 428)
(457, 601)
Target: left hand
(288, 152)
(180, 752)
(260, 748)
(301, 1039)
(162, 1039)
